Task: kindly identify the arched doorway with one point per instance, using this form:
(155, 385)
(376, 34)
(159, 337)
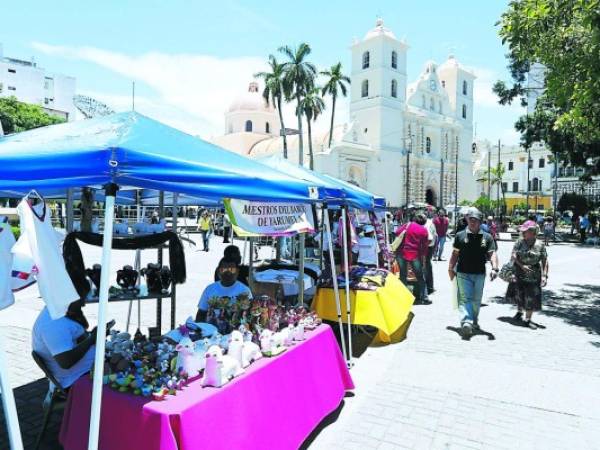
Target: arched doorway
(430, 197)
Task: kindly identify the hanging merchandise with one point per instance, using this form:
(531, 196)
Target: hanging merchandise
(7, 240)
(380, 234)
(39, 240)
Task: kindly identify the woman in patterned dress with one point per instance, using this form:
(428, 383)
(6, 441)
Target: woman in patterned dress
(531, 273)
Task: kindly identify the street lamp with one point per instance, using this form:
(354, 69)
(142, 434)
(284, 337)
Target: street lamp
(408, 152)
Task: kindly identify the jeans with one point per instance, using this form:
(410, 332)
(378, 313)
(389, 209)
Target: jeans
(440, 246)
(429, 269)
(420, 290)
(470, 291)
(205, 237)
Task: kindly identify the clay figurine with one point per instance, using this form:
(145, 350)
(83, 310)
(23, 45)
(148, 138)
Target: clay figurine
(219, 368)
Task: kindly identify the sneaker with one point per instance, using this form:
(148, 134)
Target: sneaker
(529, 324)
(518, 316)
(466, 329)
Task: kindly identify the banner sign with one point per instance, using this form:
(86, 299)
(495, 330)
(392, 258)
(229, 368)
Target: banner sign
(269, 219)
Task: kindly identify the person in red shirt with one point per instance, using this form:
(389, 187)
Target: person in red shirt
(413, 251)
(441, 227)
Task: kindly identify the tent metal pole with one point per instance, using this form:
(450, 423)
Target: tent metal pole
(302, 240)
(161, 215)
(250, 261)
(9, 405)
(336, 290)
(69, 224)
(346, 235)
(321, 243)
(173, 288)
(109, 213)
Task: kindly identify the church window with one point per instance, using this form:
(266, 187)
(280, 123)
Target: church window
(394, 88)
(249, 126)
(535, 184)
(440, 107)
(515, 186)
(443, 83)
(267, 127)
(431, 104)
(542, 163)
(464, 88)
(230, 128)
(511, 165)
(394, 60)
(364, 91)
(464, 111)
(428, 145)
(366, 60)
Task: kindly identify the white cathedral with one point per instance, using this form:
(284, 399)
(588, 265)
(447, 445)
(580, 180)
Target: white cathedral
(431, 119)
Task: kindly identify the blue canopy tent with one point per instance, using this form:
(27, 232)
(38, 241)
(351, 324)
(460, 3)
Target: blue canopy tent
(129, 149)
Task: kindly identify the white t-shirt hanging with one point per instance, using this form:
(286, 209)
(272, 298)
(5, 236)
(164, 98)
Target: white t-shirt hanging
(38, 239)
(7, 240)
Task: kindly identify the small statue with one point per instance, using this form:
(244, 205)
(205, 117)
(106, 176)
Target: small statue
(127, 278)
(236, 343)
(250, 353)
(188, 359)
(153, 280)
(219, 368)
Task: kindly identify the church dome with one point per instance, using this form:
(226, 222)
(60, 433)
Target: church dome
(250, 100)
(379, 30)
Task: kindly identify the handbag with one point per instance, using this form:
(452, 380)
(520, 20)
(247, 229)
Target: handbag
(507, 272)
(398, 241)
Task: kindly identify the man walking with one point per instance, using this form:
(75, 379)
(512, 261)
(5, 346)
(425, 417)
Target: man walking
(432, 239)
(441, 228)
(472, 249)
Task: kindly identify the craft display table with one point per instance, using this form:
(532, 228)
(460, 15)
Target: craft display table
(387, 308)
(276, 404)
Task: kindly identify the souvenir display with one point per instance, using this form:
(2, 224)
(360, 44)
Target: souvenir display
(219, 368)
(127, 279)
(93, 275)
(158, 279)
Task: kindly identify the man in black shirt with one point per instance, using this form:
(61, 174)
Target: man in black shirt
(473, 247)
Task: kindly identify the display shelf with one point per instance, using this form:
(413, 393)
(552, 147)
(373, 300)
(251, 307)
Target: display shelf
(126, 298)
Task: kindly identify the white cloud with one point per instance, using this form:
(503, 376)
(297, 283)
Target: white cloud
(198, 87)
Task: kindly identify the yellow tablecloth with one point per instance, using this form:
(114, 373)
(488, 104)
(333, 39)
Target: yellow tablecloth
(387, 308)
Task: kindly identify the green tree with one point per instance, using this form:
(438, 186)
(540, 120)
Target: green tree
(274, 91)
(336, 80)
(311, 106)
(16, 116)
(564, 37)
(495, 176)
(299, 78)
(573, 202)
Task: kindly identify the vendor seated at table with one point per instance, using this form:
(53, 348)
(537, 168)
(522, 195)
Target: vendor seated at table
(232, 252)
(367, 248)
(228, 286)
(64, 344)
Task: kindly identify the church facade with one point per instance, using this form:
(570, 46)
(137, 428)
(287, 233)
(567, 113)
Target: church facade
(398, 134)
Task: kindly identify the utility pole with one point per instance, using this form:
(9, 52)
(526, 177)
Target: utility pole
(441, 199)
(499, 186)
(456, 209)
(408, 151)
(489, 177)
(555, 193)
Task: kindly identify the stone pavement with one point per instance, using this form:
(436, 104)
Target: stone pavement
(511, 387)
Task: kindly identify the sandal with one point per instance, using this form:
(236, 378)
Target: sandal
(518, 316)
(530, 325)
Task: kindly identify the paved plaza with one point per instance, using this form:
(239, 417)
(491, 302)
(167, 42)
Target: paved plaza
(508, 388)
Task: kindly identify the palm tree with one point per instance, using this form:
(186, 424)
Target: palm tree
(336, 80)
(299, 77)
(311, 106)
(274, 91)
(495, 176)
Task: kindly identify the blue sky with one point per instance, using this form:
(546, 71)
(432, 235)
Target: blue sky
(189, 59)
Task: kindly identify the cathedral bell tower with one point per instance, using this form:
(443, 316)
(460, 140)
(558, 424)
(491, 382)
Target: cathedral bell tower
(378, 90)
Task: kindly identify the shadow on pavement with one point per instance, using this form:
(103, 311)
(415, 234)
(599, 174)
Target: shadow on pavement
(576, 304)
(328, 420)
(479, 332)
(29, 398)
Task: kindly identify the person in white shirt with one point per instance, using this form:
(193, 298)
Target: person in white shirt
(227, 286)
(64, 344)
(432, 238)
(366, 248)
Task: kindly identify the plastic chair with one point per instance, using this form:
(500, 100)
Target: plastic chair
(58, 393)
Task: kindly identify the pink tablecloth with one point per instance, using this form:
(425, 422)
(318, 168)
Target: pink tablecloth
(275, 404)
